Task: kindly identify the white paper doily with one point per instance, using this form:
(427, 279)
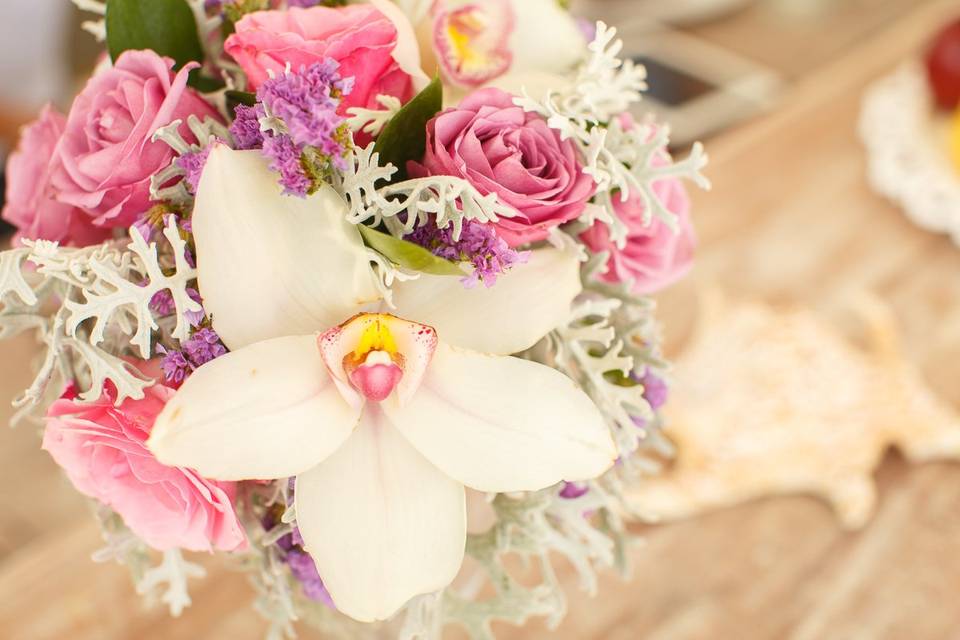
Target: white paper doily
(907, 156)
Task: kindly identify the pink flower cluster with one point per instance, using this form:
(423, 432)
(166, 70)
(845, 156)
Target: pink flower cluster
(75, 178)
(102, 448)
(499, 148)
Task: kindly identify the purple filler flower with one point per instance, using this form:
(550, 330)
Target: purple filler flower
(573, 490)
(162, 304)
(302, 566)
(174, 364)
(203, 346)
(307, 103)
(245, 129)
(285, 159)
(479, 245)
(655, 390)
(192, 164)
(304, 570)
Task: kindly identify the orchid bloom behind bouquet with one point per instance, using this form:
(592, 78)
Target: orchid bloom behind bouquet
(304, 305)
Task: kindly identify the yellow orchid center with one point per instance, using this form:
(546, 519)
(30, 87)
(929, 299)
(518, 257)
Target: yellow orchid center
(373, 354)
(376, 337)
(375, 366)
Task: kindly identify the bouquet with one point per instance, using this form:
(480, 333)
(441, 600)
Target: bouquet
(350, 293)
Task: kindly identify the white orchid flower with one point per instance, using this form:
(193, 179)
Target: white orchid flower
(382, 420)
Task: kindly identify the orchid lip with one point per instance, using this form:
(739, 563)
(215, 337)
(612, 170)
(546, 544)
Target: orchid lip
(373, 355)
(377, 377)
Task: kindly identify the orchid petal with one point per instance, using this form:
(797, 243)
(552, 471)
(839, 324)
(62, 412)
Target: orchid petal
(272, 265)
(524, 305)
(267, 411)
(545, 38)
(503, 424)
(382, 524)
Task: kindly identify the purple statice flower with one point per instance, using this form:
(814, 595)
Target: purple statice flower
(312, 134)
(203, 346)
(573, 490)
(162, 303)
(192, 164)
(479, 245)
(302, 566)
(304, 4)
(174, 365)
(195, 317)
(245, 129)
(304, 570)
(285, 158)
(655, 390)
(306, 102)
(144, 225)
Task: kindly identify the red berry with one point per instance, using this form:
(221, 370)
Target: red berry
(943, 66)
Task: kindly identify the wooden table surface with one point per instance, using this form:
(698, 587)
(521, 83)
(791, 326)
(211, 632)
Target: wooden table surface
(790, 219)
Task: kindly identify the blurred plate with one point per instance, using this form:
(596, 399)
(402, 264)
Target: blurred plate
(908, 159)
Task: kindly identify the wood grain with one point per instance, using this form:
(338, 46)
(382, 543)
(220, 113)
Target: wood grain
(790, 219)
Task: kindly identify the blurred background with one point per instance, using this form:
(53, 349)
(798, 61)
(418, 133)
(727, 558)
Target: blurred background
(773, 88)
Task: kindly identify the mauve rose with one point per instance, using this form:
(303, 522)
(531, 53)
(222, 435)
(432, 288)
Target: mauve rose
(30, 204)
(654, 256)
(499, 148)
(105, 156)
(360, 37)
(102, 449)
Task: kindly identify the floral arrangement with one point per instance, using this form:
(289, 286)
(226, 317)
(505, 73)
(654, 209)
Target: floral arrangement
(305, 306)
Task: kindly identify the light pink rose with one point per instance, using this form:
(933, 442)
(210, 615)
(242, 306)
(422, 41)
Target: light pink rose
(360, 37)
(105, 156)
(499, 148)
(654, 256)
(102, 449)
(30, 204)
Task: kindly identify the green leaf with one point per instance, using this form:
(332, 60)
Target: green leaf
(405, 136)
(408, 255)
(165, 26)
(204, 84)
(237, 98)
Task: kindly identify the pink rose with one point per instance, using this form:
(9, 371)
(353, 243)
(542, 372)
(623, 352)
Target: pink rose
(102, 449)
(499, 148)
(30, 204)
(105, 157)
(654, 256)
(360, 37)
